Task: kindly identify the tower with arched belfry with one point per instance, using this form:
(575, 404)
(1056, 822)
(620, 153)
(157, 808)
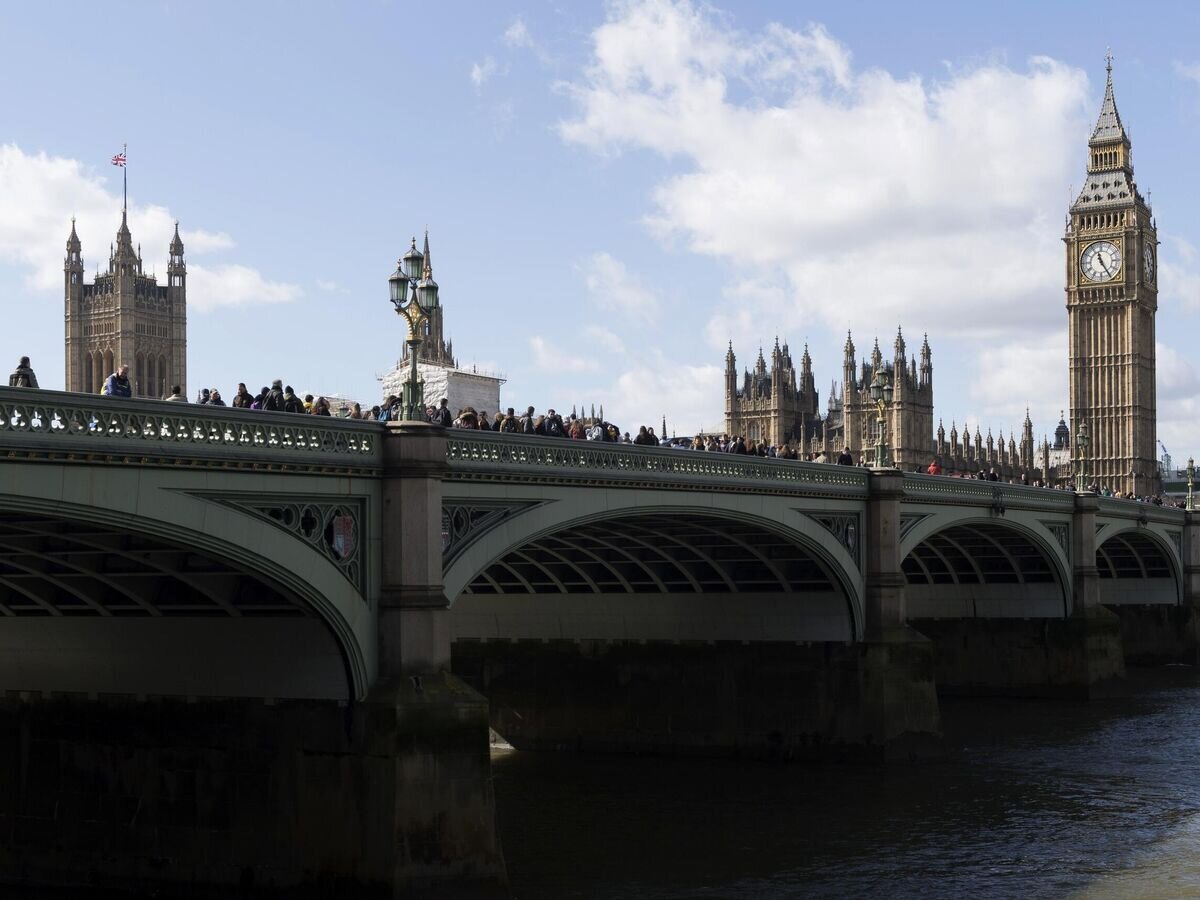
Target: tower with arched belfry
(125, 317)
(1112, 299)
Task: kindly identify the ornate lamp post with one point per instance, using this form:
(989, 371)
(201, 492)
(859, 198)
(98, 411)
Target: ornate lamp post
(881, 393)
(408, 304)
(1081, 444)
(1191, 475)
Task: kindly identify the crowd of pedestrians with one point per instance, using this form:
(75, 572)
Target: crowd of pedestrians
(282, 398)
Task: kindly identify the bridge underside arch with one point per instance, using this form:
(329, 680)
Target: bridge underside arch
(982, 570)
(98, 608)
(1135, 569)
(660, 576)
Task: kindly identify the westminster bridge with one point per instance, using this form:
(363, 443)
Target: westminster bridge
(258, 649)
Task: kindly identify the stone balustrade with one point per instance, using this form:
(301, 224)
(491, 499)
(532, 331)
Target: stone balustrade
(57, 425)
(482, 455)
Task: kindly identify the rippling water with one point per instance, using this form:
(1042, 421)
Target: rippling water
(1037, 799)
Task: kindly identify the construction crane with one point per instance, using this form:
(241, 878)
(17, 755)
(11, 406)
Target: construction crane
(1164, 464)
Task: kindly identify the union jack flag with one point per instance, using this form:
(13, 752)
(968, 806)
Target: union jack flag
(119, 160)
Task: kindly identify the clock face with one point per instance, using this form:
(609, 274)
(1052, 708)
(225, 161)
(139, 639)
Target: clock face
(1101, 261)
(1148, 259)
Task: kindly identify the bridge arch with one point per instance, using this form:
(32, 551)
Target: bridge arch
(1137, 566)
(99, 600)
(984, 567)
(665, 572)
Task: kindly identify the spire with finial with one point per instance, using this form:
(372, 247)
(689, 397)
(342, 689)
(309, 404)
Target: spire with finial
(176, 247)
(876, 356)
(123, 252)
(900, 347)
(1108, 124)
(427, 268)
(427, 288)
(73, 245)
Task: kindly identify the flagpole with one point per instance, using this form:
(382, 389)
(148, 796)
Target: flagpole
(125, 179)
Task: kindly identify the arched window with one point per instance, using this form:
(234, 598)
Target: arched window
(141, 387)
(163, 375)
(109, 366)
(89, 382)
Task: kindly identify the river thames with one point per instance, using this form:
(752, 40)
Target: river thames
(1035, 799)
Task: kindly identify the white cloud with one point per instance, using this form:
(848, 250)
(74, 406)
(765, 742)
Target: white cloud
(642, 395)
(482, 71)
(234, 285)
(872, 197)
(550, 358)
(38, 196)
(1178, 279)
(1188, 71)
(330, 287)
(612, 286)
(1178, 402)
(1008, 378)
(604, 339)
(517, 35)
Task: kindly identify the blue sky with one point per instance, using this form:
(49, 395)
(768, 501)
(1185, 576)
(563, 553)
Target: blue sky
(612, 191)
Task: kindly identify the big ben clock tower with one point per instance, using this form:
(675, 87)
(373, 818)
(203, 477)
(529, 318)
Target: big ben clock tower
(1112, 296)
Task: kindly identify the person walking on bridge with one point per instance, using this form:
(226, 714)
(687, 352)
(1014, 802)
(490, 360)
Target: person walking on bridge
(243, 398)
(117, 384)
(273, 401)
(292, 403)
(22, 375)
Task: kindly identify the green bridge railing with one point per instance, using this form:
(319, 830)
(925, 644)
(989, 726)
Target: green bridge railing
(56, 425)
(482, 455)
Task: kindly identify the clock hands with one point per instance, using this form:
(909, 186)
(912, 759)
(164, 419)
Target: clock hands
(1100, 259)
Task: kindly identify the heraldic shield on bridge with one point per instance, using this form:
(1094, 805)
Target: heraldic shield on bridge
(314, 625)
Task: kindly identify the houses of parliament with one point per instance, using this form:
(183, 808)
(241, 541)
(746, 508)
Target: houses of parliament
(1111, 300)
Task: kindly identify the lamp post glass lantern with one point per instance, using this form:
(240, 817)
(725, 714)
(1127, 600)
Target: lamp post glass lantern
(881, 393)
(1081, 444)
(405, 298)
(1191, 477)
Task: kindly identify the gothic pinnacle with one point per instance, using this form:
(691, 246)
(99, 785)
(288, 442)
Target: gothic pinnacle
(427, 271)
